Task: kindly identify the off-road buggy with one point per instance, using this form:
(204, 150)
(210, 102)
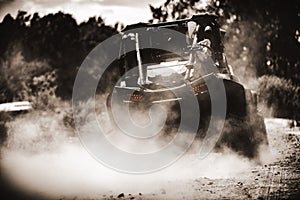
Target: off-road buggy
(153, 75)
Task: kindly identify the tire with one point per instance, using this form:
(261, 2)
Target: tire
(245, 135)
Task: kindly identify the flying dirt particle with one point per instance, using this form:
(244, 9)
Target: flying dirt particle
(239, 183)
(210, 183)
(140, 194)
(121, 195)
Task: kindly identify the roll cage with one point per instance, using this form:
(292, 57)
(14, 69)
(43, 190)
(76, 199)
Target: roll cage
(206, 33)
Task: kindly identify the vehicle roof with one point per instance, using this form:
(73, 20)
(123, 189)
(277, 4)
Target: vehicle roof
(200, 19)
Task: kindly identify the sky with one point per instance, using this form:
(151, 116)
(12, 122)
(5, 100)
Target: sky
(124, 11)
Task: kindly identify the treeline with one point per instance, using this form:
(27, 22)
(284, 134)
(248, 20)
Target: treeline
(267, 31)
(37, 45)
(262, 40)
(41, 55)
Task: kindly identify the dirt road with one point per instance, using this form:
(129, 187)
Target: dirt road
(279, 178)
(69, 172)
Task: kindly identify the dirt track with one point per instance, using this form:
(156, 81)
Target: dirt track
(71, 173)
(279, 179)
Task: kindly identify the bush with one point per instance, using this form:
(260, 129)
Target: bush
(281, 95)
(33, 81)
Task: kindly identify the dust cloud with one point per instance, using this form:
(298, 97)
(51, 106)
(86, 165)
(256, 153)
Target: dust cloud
(43, 157)
(243, 44)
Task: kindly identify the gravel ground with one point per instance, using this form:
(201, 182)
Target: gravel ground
(70, 173)
(277, 179)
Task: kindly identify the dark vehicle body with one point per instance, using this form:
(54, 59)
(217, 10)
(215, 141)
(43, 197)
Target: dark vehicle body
(156, 76)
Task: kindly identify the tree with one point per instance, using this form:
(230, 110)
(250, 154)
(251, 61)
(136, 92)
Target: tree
(55, 39)
(260, 30)
(263, 40)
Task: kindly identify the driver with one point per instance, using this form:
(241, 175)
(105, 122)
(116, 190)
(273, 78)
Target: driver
(212, 33)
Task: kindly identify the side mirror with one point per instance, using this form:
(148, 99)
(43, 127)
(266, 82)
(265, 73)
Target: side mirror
(192, 26)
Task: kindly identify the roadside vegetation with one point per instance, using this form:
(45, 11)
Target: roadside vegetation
(40, 56)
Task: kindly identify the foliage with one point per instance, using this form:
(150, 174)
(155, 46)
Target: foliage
(34, 81)
(40, 56)
(55, 39)
(280, 94)
(274, 25)
(262, 40)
